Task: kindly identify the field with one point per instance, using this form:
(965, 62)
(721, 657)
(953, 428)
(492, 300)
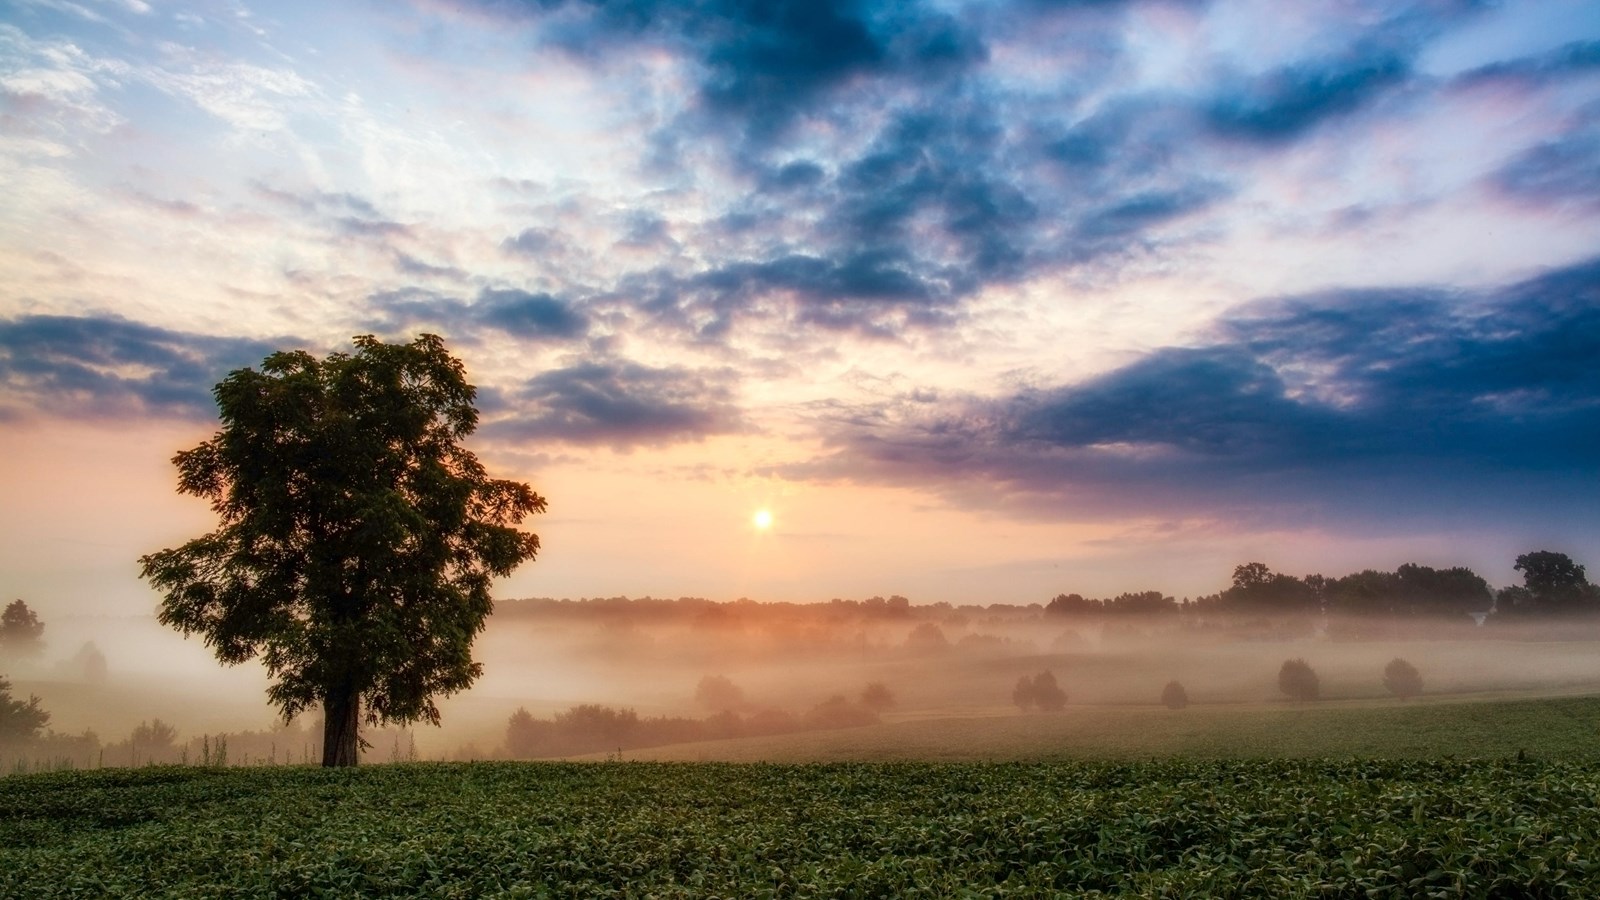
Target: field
(1279, 828)
(1567, 727)
(1486, 786)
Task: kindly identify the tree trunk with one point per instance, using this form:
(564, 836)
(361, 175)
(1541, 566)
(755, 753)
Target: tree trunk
(341, 713)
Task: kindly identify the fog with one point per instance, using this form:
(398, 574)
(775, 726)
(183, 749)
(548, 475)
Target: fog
(696, 670)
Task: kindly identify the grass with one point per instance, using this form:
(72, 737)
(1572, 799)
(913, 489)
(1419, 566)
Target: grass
(1175, 828)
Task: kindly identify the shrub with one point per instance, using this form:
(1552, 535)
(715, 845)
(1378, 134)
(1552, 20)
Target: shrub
(1173, 696)
(1402, 679)
(877, 697)
(1040, 690)
(1297, 679)
(838, 712)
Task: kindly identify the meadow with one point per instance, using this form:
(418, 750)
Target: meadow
(1169, 828)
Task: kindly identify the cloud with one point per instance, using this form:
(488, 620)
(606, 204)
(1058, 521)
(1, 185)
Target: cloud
(1559, 172)
(109, 367)
(522, 314)
(1402, 402)
(518, 313)
(621, 404)
(1577, 58)
(1289, 101)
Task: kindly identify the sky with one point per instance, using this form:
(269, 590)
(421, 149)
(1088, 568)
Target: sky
(978, 301)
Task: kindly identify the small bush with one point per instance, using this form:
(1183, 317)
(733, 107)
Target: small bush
(1173, 696)
(1402, 679)
(1297, 679)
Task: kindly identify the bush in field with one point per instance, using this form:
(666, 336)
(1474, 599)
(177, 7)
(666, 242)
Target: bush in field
(1039, 691)
(1173, 696)
(877, 697)
(718, 693)
(838, 712)
(1402, 679)
(1297, 679)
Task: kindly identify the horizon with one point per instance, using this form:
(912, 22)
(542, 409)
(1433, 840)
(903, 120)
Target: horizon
(972, 302)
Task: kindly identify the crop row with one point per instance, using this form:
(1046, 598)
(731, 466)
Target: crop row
(1160, 829)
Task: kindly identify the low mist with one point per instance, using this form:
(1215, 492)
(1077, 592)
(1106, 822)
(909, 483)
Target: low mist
(602, 675)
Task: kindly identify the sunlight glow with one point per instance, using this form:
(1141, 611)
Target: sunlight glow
(762, 519)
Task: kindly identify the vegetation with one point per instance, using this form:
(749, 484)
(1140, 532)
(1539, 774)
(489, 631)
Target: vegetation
(1402, 679)
(876, 696)
(1348, 828)
(595, 728)
(20, 720)
(1297, 679)
(358, 537)
(21, 632)
(1039, 691)
(1552, 585)
(1173, 696)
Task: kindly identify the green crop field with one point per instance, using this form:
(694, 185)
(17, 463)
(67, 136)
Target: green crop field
(1179, 828)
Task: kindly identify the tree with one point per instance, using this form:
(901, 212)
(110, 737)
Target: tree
(1041, 690)
(358, 538)
(1297, 679)
(877, 697)
(1555, 583)
(718, 693)
(21, 632)
(19, 721)
(1173, 696)
(927, 638)
(1402, 679)
(526, 736)
(1257, 589)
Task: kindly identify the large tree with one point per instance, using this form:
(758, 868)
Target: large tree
(358, 538)
(1556, 584)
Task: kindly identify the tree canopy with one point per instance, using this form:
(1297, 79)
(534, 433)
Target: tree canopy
(19, 720)
(358, 538)
(21, 632)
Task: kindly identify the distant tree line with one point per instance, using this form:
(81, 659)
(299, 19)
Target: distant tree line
(1553, 585)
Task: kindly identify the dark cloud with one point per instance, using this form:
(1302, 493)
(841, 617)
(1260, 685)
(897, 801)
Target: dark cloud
(1572, 59)
(1348, 403)
(621, 404)
(521, 314)
(1289, 101)
(766, 62)
(109, 367)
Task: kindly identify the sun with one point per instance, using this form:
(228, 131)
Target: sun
(762, 519)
